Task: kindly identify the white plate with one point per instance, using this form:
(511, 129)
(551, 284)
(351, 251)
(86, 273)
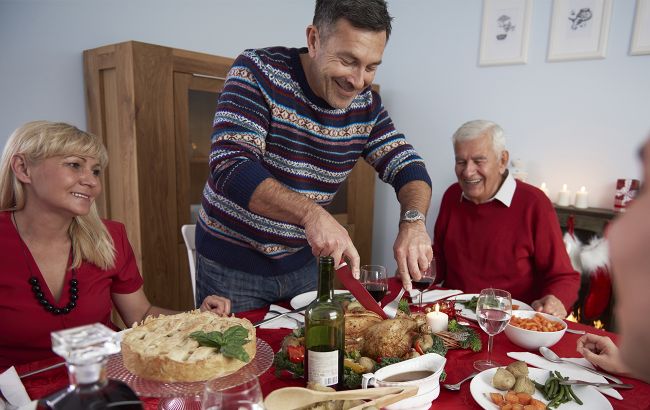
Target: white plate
(306, 298)
(471, 314)
(482, 383)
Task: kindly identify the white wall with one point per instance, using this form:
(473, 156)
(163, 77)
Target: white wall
(576, 122)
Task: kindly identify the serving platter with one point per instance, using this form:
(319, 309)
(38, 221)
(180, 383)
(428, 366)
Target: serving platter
(150, 388)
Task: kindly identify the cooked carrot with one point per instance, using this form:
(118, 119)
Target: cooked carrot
(524, 398)
(537, 323)
(511, 397)
(497, 398)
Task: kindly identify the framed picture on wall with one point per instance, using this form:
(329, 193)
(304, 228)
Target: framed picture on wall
(641, 32)
(505, 32)
(579, 29)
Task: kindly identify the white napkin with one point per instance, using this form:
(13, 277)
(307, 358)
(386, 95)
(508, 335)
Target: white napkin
(434, 295)
(570, 371)
(13, 389)
(283, 322)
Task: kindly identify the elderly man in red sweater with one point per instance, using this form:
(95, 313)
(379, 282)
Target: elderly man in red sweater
(495, 231)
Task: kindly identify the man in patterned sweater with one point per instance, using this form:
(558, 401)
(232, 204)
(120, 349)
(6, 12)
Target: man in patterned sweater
(289, 127)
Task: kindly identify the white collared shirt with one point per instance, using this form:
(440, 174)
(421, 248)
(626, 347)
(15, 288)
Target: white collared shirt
(505, 192)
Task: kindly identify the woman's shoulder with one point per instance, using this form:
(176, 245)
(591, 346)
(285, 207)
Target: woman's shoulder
(115, 229)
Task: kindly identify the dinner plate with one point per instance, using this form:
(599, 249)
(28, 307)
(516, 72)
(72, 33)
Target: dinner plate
(471, 314)
(306, 298)
(482, 383)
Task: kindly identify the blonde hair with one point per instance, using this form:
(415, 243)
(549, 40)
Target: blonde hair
(39, 140)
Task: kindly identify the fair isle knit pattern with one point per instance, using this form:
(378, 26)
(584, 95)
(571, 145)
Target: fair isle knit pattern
(269, 124)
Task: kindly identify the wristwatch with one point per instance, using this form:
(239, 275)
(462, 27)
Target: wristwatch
(412, 215)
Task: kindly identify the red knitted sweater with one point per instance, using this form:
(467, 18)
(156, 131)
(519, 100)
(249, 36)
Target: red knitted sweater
(517, 248)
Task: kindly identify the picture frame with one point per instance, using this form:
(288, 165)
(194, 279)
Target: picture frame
(579, 29)
(505, 32)
(640, 43)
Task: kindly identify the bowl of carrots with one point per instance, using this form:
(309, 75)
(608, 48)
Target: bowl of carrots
(532, 330)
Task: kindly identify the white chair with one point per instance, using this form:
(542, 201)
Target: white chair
(188, 237)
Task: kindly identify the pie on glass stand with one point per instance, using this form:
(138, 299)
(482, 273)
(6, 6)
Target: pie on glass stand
(161, 348)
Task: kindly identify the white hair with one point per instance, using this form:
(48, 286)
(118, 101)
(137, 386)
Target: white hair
(477, 128)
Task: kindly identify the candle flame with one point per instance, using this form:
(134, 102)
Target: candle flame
(437, 307)
(583, 189)
(564, 187)
(543, 185)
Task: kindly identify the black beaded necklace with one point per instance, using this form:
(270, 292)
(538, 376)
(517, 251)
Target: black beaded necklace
(36, 284)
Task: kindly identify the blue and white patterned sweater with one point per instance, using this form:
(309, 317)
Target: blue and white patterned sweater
(269, 124)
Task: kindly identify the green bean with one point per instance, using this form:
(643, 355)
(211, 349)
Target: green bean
(575, 397)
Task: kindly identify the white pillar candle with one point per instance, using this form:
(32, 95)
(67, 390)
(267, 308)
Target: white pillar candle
(582, 198)
(564, 196)
(437, 320)
(544, 188)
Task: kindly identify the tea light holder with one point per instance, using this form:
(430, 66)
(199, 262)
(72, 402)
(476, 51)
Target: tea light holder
(438, 321)
(564, 196)
(582, 201)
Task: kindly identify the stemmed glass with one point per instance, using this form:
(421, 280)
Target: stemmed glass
(373, 278)
(425, 282)
(493, 311)
(246, 396)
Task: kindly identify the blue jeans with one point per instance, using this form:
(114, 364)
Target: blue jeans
(247, 291)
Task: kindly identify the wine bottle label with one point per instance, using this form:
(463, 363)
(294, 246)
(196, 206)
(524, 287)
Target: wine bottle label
(323, 367)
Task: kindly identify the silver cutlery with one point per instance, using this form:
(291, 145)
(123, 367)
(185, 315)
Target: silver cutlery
(280, 315)
(577, 332)
(584, 383)
(298, 321)
(456, 386)
(44, 369)
(553, 357)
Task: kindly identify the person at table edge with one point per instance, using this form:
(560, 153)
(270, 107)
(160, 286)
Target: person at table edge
(628, 236)
(495, 231)
(289, 127)
(62, 266)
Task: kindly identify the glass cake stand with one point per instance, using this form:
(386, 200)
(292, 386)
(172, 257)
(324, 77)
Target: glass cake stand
(150, 388)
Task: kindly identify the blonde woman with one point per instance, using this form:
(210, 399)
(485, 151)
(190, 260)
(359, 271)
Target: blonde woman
(62, 266)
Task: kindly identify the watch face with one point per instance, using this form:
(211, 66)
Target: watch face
(413, 215)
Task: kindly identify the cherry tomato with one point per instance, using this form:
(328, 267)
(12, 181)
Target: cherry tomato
(296, 353)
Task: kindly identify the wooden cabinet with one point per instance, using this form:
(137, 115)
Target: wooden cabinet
(153, 108)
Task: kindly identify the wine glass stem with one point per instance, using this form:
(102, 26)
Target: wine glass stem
(489, 358)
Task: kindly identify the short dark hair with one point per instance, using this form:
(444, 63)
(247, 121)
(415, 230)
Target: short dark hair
(364, 14)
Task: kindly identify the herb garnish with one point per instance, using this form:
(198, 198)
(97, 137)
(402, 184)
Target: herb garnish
(229, 343)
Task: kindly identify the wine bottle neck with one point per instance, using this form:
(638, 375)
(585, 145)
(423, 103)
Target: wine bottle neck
(325, 277)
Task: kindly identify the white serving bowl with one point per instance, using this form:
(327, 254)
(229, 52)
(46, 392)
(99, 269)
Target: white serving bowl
(428, 387)
(532, 339)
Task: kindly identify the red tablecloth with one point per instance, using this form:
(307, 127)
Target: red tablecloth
(459, 364)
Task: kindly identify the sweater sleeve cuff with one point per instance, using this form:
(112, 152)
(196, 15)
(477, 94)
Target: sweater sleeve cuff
(413, 172)
(243, 180)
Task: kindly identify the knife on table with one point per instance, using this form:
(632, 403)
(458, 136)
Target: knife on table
(280, 315)
(604, 385)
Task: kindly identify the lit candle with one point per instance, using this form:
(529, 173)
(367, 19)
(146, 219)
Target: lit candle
(543, 188)
(564, 196)
(581, 198)
(437, 320)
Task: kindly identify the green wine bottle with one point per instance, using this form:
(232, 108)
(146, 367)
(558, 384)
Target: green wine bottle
(325, 331)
